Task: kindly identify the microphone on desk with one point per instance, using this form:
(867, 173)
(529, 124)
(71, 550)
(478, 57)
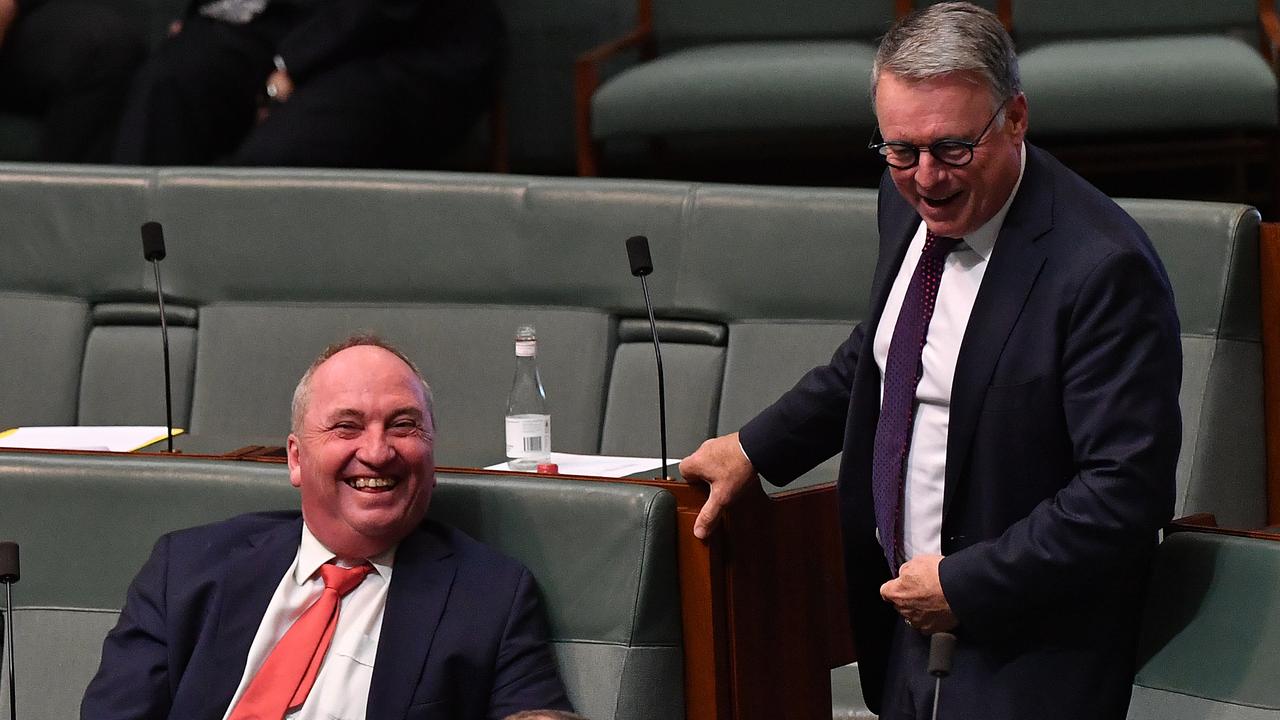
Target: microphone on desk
(942, 647)
(9, 574)
(642, 265)
(153, 251)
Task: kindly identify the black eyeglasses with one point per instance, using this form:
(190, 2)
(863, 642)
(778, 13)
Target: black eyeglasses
(956, 153)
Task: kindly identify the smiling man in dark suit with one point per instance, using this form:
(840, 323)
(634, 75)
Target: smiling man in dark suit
(359, 608)
(1008, 413)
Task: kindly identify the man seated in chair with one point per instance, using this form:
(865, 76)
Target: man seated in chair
(275, 615)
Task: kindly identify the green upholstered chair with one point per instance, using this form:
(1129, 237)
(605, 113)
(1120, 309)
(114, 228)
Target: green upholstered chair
(1162, 85)
(1210, 642)
(713, 68)
(604, 557)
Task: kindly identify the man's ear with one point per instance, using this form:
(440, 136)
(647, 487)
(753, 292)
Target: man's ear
(1015, 117)
(295, 463)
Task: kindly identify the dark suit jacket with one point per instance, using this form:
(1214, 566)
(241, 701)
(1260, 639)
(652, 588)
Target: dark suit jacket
(462, 635)
(1063, 438)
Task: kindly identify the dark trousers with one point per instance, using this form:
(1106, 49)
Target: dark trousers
(199, 100)
(71, 62)
(1004, 682)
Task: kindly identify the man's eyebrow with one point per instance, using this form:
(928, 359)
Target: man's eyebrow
(344, 414)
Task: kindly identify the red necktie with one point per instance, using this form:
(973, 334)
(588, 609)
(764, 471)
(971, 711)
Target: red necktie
(285, 678)
(902, 372)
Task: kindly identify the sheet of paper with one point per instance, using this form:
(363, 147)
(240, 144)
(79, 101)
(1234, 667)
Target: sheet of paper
(597, 465)
(115, 438)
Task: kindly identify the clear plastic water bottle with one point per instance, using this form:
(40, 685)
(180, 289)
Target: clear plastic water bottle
(528, 420)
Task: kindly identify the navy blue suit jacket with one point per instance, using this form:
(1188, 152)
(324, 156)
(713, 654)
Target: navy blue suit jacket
(462, 635)
(1062, 443)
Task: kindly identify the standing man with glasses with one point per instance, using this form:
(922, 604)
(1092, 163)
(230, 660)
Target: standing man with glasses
(1008, 413)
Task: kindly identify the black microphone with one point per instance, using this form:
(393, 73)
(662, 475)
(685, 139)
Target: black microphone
(942, 647)
(153, 251)
(9, 574)
(642, 265)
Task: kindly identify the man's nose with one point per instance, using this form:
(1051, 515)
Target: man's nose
(930, 170)
(374, 450)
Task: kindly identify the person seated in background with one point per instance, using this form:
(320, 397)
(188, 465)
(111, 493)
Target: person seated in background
(355, 608)
(70, 62)
(315, 83)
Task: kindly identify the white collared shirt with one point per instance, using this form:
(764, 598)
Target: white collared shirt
(962, 274)
(341, 690)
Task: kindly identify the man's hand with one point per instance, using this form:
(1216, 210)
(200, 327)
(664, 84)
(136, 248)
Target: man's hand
(720, 463)
(279, 86)
(917, 596)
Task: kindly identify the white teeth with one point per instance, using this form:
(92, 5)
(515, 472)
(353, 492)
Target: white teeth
(367, 483)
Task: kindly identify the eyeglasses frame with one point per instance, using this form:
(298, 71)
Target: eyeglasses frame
(969, 145)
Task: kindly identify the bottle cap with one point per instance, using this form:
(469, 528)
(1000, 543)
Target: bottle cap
(548, 468)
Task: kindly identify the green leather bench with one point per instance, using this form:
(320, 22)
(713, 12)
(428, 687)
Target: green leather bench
(760, 71)
(1156, 90)
(752, 285)
(604, 559)
(1210, 643)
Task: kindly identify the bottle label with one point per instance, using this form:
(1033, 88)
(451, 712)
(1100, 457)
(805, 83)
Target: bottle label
(528, 436)
(526, 348)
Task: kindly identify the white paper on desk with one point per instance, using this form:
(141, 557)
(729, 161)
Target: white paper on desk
(596, 465)
(115, 438)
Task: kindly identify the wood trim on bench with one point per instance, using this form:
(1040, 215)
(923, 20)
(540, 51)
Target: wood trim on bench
(1207, 523)
(1269, 271)
(1269, 32)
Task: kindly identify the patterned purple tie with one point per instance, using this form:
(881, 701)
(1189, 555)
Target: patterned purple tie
(902, 372)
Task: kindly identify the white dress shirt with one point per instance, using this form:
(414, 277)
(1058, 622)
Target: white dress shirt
(341, 690)
(925, 472)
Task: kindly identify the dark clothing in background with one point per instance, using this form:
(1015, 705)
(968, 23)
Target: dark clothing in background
(377, 83)
(70, 62)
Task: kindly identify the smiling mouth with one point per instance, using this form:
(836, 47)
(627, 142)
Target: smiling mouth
(940, 202)
(371, 484)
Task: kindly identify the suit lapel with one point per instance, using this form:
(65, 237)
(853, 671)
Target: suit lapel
(254, 571)
(424, 571)
(898, 225)
(1015, 263)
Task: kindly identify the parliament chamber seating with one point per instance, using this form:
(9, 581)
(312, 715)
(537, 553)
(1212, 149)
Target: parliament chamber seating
(1210, 642)
(752, 286)
(605, 562)
(1159, 86)
(712, 70)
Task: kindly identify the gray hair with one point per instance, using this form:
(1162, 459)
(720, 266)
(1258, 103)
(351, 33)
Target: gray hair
(950, 37)
(302, 393)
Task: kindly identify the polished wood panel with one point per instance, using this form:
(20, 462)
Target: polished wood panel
(1269, 254)
(1207, 523)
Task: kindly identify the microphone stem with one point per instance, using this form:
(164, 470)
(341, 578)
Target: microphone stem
(937, 688)
(8, 614)
(662, 389)
(164, 338)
